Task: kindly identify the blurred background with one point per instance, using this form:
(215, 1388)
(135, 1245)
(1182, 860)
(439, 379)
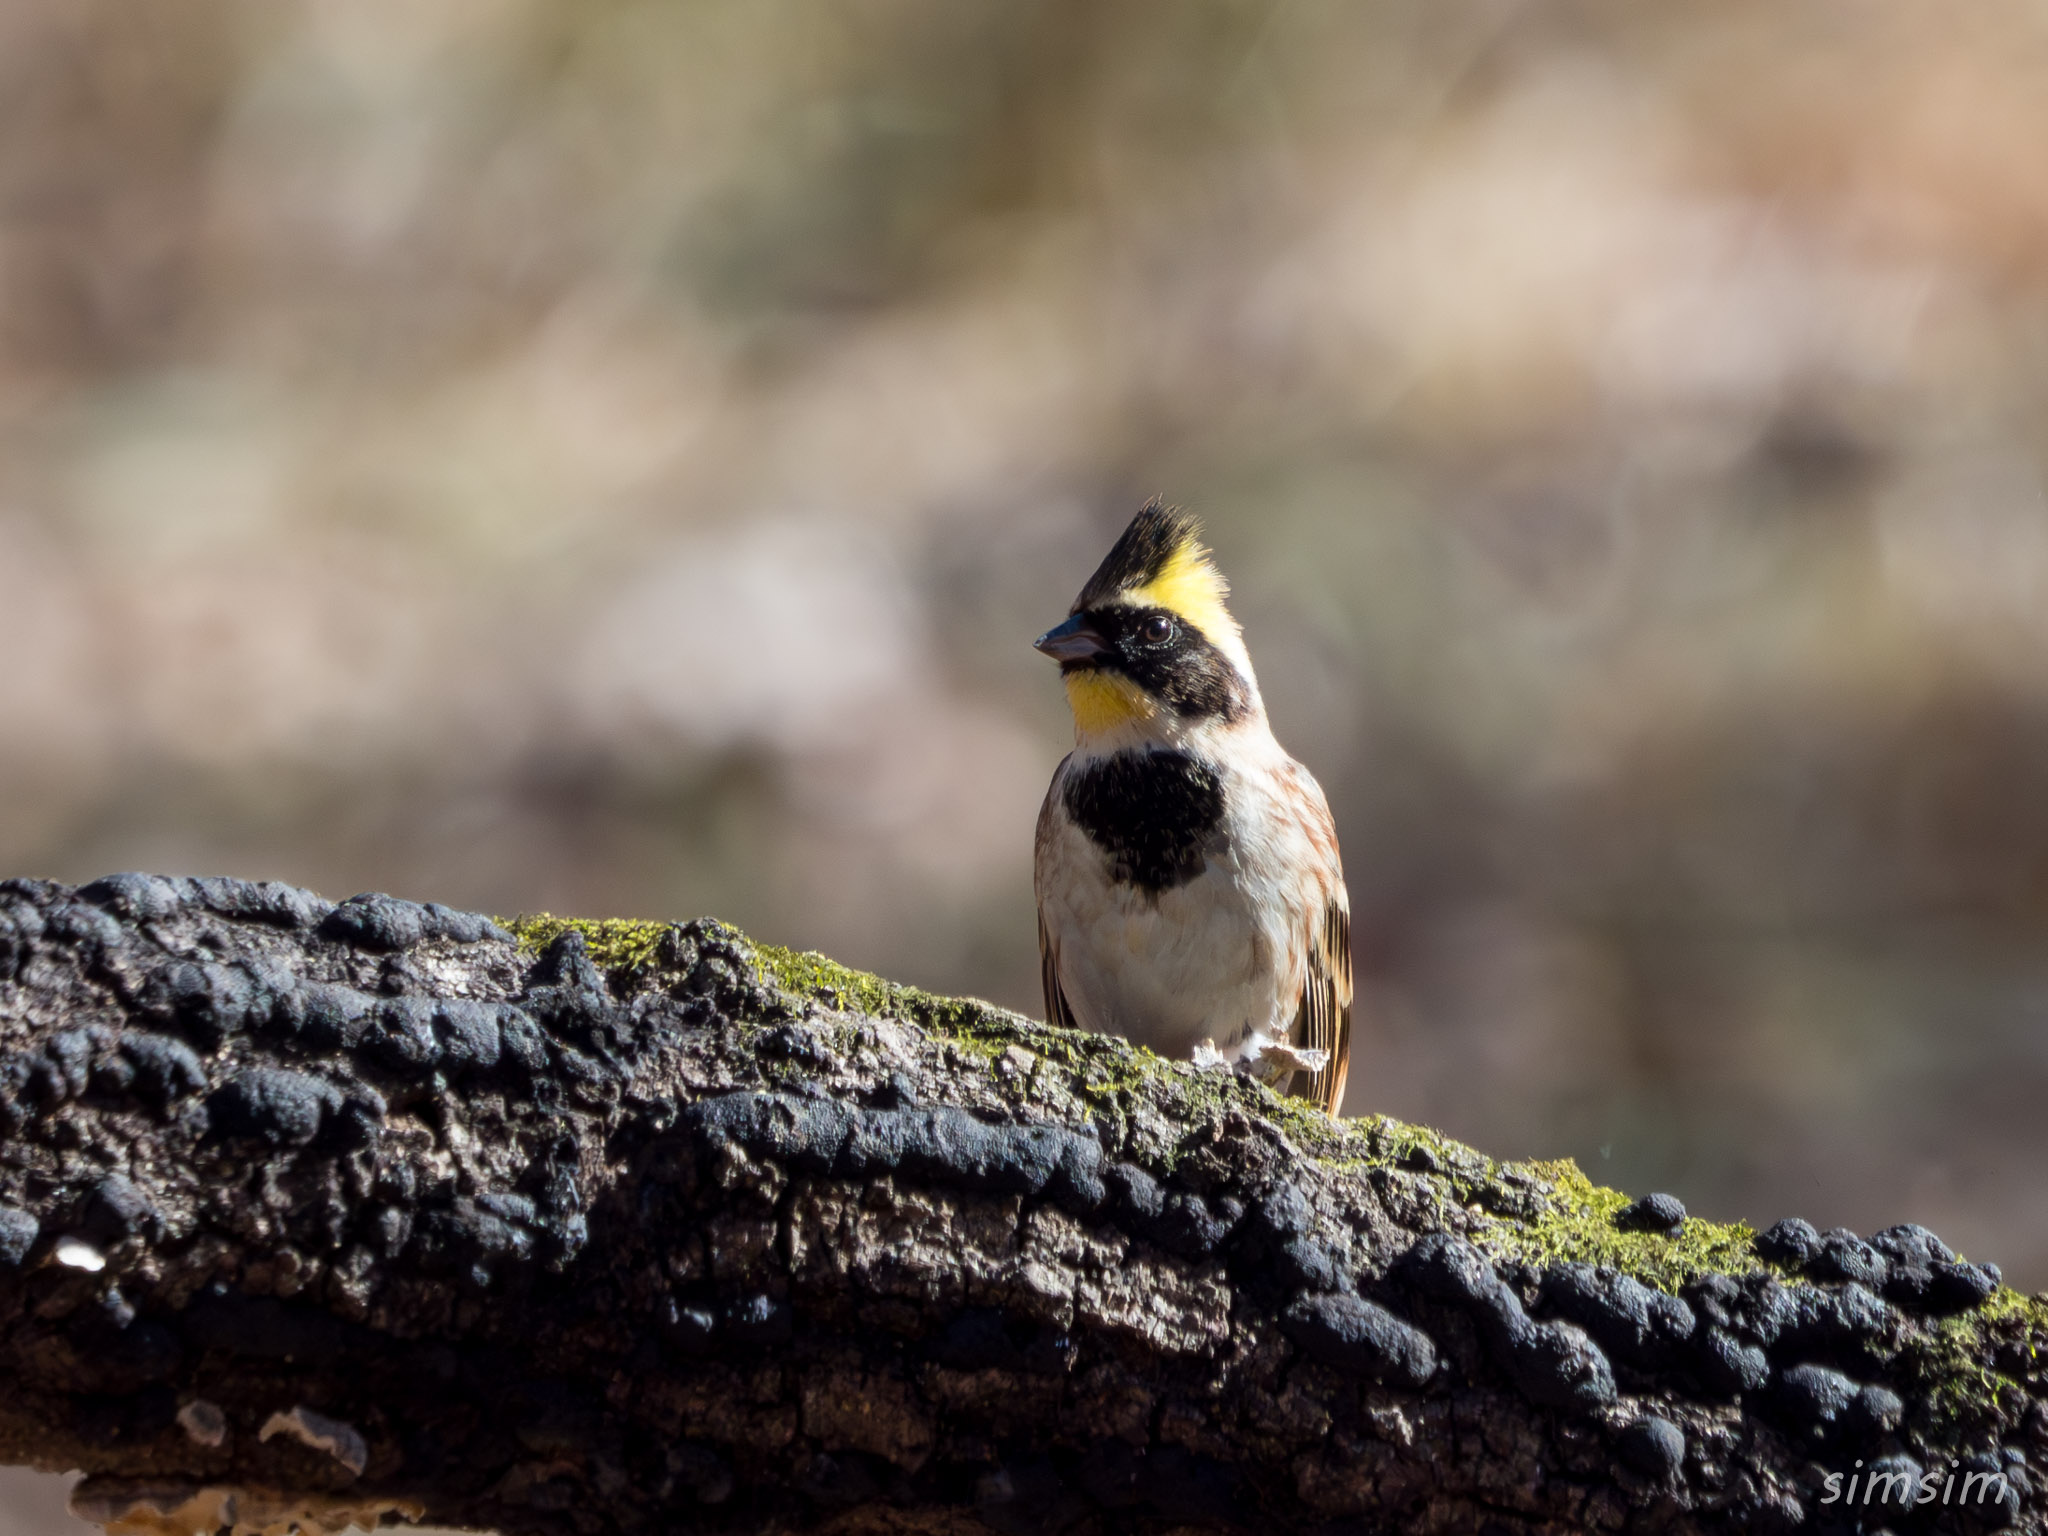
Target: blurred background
(612, 458)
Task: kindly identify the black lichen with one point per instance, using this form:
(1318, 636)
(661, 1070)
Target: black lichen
(1652, 1213)
(155, 1068)
(1361, 1339)
(1654, 1447)
(374, 921)
(1556, 1365)
(1790, 1242)
(272, 1104)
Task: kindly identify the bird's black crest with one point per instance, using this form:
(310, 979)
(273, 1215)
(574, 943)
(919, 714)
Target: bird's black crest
(1152, 539)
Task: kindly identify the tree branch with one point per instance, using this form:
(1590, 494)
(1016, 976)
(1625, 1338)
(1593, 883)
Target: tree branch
(315, 1213)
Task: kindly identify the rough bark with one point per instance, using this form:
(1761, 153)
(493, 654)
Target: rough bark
(312, 1212)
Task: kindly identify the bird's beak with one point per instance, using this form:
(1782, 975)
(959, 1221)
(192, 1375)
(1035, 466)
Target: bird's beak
(1075, 640)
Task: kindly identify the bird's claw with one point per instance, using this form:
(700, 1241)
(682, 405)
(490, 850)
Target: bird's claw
(1270, 1061)
(1276, 1060)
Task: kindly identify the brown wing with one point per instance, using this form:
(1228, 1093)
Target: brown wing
(1056, 1010)
(1324, 1023)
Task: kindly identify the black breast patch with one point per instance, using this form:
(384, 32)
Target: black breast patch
(1153, 813)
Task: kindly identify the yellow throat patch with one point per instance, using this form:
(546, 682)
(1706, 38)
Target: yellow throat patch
(1103, 701)
(1189, 585)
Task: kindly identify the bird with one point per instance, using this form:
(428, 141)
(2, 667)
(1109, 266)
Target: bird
(1190, 893)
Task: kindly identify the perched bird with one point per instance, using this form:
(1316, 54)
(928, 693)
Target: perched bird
(1190, 896)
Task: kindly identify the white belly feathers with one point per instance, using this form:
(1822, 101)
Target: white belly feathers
(1172, 933)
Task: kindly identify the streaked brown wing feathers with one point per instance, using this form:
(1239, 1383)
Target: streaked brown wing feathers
(1324, 1023)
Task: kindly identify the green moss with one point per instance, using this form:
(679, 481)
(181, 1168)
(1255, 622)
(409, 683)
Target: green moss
(614, 943)
(1550, 1212)
(982, 1028)
(1576, 1225)
(1952, 1366)
(806, 973)
(1391, 1143)
(1948, 1369)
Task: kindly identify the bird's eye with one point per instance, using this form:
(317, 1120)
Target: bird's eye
(1158, 629)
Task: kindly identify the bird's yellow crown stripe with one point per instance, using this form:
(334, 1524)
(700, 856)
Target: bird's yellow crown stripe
(1189, 585)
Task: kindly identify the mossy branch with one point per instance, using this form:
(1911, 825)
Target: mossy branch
(311, 1213)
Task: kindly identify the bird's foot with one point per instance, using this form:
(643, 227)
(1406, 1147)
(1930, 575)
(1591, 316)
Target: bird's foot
(1270, 1061)
(1274, 1061)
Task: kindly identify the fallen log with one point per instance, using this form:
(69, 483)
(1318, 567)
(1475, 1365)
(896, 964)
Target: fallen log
(316, 1213)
